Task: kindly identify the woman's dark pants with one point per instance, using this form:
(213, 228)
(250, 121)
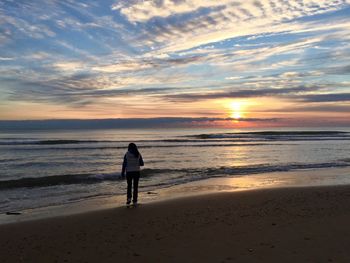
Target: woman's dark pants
(132, 178)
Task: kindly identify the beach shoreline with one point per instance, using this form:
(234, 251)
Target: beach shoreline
(301, 178)
(299, 224)
(58, 172)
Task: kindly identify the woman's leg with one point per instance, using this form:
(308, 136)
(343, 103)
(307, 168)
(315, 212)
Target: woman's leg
(129, 178)
(136, 186)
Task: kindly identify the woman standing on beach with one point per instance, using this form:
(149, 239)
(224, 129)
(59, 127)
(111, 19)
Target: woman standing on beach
(131, 165)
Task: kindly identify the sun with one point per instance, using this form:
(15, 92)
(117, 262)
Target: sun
(236, 110)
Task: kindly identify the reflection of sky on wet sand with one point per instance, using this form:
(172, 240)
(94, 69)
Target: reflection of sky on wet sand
(302, 178)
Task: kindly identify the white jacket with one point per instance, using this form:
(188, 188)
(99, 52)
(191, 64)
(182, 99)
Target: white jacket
(132, 163)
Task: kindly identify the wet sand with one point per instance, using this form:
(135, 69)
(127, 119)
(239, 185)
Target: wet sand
(304, 224)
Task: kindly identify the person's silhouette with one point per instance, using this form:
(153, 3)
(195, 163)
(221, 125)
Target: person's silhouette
(131, 165)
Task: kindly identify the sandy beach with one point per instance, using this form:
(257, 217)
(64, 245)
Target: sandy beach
(304, 224)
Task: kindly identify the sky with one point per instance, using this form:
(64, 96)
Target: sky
(237, 63)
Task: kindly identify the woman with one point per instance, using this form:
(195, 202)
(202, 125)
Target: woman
(131, 164)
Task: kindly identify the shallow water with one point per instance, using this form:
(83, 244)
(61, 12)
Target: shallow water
(46, 168)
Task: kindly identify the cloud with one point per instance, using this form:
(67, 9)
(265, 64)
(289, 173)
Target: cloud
(330, 97)
(15, 25)
(83, 89)
(339, 70)
(243, 93)
(70, 66)
(123, 66)
(144, 10)
(318, 108)
(78, 53)
(6, 59)
(173, 29)
(38, 56)
(233, 78)
(311, 73)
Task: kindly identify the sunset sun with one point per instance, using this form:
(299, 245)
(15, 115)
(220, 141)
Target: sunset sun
(236, 108)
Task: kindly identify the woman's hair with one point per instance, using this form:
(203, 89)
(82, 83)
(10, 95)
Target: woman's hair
(132, 148)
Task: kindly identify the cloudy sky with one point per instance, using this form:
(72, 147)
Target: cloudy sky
(286, 62)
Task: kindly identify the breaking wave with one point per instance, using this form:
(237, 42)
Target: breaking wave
(183, 174)
(278, 135)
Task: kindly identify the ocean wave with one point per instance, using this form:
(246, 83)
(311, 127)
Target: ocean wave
(106, 147)
(29, 182)
(14, 142)
(7, 160)
(213, 137)
(48, 142)
(181, 175)
(19, 141)
(346, 160)
(278, 135)
(66, 179)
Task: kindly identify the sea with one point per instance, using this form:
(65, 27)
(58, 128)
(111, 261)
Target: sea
(47, 168)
